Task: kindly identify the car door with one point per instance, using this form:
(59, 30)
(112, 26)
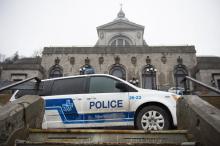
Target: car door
(63, 106)
(105, 105)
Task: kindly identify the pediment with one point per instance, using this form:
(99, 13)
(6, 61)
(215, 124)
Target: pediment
(120, 24)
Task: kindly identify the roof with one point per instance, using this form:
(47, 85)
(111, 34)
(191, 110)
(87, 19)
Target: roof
(28, 61)
(24, 64)
(91, 75)
(22, 67)
(121, 22)
(119, 50)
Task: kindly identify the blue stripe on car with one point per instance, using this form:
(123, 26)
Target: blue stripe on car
(69, 115)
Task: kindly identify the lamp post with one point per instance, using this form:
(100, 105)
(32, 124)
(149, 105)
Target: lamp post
(134, 81)
(82, 70)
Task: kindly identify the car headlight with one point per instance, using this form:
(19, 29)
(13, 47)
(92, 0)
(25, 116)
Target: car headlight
(175, 97)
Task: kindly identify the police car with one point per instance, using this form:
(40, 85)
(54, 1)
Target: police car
(101, 100)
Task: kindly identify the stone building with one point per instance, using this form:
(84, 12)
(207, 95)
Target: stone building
(22, 69)
(207, 70)
(122, 51)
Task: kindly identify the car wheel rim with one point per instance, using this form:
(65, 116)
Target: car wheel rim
(152, 120)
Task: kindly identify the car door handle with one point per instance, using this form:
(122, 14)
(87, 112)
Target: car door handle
(90, 98)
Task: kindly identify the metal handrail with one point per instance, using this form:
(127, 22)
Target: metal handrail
(20, 82)
(201, 84)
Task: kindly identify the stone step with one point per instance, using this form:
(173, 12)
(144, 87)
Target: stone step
(75, 137)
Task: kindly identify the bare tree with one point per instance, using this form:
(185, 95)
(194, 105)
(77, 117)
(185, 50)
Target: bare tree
(37, 53)
(15, 56)
(12, 59)
(2, 57)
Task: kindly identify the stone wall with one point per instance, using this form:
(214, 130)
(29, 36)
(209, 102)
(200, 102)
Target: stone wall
(207, 70)
(165, 69)
(16, 117)
(132, 34)
(200, 118)
(206, 76)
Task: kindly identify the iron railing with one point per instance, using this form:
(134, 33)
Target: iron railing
(20, 82)
(199, 83)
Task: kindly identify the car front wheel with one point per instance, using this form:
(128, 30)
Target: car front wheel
(153, 118)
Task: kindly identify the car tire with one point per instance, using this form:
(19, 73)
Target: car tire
(153, 118)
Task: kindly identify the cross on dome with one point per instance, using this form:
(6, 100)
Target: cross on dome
(121, 14)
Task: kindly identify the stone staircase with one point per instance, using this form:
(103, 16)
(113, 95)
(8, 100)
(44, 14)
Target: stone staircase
(99, 137)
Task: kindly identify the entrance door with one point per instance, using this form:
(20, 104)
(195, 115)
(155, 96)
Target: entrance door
(149, 81)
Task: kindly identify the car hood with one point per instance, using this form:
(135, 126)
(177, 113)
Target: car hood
(156, 92)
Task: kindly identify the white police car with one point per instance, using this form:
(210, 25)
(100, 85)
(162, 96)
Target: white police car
(101, 100)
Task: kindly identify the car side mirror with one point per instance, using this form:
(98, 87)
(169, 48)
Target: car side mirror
(122, 86)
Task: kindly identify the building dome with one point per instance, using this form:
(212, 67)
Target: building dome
(121, 15)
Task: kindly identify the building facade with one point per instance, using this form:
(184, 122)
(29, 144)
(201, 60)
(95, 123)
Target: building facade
(122, 51)
(22, 69)
(207, 71)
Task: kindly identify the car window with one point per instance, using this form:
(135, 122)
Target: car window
(69, 86)
(102, 85)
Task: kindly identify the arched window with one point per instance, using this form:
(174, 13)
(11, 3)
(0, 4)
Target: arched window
(118, 71)
(149, 77)
(56, 71)
(120, 41)
(180, 72)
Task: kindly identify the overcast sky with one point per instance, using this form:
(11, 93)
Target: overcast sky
(29, 25)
